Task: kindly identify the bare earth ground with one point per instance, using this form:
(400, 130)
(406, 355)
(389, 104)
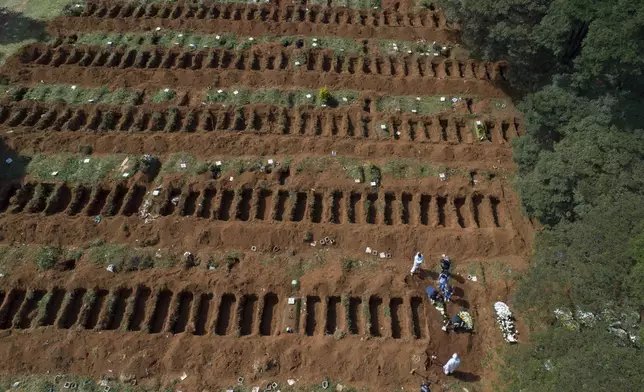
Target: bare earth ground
(362, 319)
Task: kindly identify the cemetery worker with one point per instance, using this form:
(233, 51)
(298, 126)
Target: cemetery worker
(445, 264)
(434, 295)
(447, 292)
(424, 387)
(456, 322)
(418, 260)
(442, 281)
(452, 364)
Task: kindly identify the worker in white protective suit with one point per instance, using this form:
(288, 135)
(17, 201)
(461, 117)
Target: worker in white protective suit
(452, 364)
(418, 260)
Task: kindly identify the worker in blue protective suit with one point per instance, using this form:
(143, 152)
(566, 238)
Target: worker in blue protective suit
(448, 291)
(442, 281)
(434, 295)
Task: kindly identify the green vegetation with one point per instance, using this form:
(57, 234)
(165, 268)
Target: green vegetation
(187, 40)
(46, 258)
(13, 257)
(72, 168)
(55, 383)
(402, 168)
(361, 4)
(164, 95)
(414, 104)
(23, 22)
(76, 96)
(578, 67)
(287, 98)
(127, 258)
(353, 168)
(324, 95)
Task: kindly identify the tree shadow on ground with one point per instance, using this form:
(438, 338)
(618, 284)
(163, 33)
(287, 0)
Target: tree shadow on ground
(13, 166)
(16, 27)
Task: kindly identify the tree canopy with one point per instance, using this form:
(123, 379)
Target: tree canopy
(578, 66)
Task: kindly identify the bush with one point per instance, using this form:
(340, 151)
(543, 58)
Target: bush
(324, 95)
(149, 164)
(85, 149)
(75, 9)
(46, 258)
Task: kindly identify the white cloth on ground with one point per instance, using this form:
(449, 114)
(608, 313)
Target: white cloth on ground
(452, 364)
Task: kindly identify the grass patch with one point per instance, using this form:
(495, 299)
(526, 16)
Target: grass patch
(77, 96)
(295, 269)
(232, 166)
(18, 256)
(402, 168)
(190, 41)
(73, 168)
(50, 382)
(46, 258)
(180, 163)
(421, 105)
(127, 258)
(164, 95)
(359, 4)
(285, 98)
(14, 257)
(24, 21)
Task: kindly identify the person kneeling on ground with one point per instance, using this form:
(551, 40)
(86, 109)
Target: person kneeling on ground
(462, 320)
(445, 264)
(434, 295)
(418, 260)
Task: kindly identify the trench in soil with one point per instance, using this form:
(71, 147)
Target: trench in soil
(247, 303)
(395, 306)
(266, 327)
(201, 316)
(182, 313)
(138, 311)
(224, 314)
(53, 307)
(160, 312)
(72, 310)
(10, 308)
(27, 310)
(355, 306)
(312, 308)
(95, 309)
